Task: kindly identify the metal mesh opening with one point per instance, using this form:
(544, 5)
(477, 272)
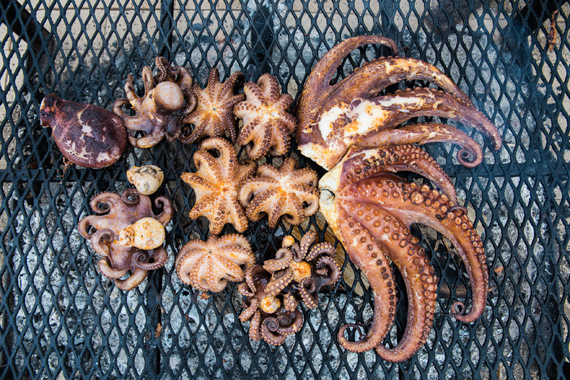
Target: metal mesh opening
(61, 319)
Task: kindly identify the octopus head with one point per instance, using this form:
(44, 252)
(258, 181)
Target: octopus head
(146, 234)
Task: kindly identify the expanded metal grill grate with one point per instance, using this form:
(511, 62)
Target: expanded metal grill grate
(61, 319)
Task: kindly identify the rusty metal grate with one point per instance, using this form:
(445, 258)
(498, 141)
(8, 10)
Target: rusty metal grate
(60, 319)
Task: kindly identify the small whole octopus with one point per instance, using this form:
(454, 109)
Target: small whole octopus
(167, 99)
(127, 234)
(273, 291)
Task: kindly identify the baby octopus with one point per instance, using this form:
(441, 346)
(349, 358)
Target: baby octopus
(158, 113)
(285, 191)
(122, 234)
(274, 290)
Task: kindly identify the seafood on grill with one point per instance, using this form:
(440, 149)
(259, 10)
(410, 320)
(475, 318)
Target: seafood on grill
(213, 115)
(353, 132)
(87, 135)
(273, 291)
(118, 215)
(267, 125)
(209, 265)
(285, 191)
(158, 113)
(147, 178)
(216, 184)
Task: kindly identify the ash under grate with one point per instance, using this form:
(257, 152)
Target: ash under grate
(61, 319)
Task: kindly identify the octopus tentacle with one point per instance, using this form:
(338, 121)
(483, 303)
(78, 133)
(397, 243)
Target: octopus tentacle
(290, 303)
(375, 266)
(305, 244)
(136, 277)
(375, 76)
(101, 241)
(250, 307)
(156, 259)
(319, 249)
(363, 163)
(270, 331)
(470, 154)
(417, 272)
(290, 322)
(166, 215)
(107, 270)
(283, 258)
(404, 105)
(254, 326)
(429, 207)
(309, 292)
(84, 225)
(106, 202)
(328, 270)
(278, 282)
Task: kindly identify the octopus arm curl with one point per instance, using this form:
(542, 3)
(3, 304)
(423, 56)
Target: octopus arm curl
(470, 154)
(152, 261)
(136, 277)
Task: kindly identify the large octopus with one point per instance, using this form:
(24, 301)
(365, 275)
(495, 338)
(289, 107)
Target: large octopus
(158, 113)
(273, 291)
(281, 191)
(114, 214)
(213, 115)
(216, 185)
(209, 265)
(368, 207)
(267, 125)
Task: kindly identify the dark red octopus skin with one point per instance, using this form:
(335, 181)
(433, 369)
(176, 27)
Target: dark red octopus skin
(87, 135)
(371, 212)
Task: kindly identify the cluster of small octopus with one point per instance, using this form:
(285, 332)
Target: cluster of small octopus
(351, 128)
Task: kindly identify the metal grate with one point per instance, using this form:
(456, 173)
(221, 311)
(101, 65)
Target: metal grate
(60, 319)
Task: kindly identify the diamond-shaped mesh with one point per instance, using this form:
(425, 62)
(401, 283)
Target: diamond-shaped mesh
(61, 319)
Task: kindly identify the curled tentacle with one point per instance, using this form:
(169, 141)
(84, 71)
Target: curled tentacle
(290, 322)
(165, 205)
(244, 290)
(470, 154)
(150, 260)
(131, 196)
(283, 258)
(327, 269)
(103, 203)
(85, 225)
(136, 277)
(250, 307)
(102, 240)
(269, 332)
(325, 248)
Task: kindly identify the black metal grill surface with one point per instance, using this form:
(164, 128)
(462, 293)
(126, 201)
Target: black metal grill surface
(61, 319)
